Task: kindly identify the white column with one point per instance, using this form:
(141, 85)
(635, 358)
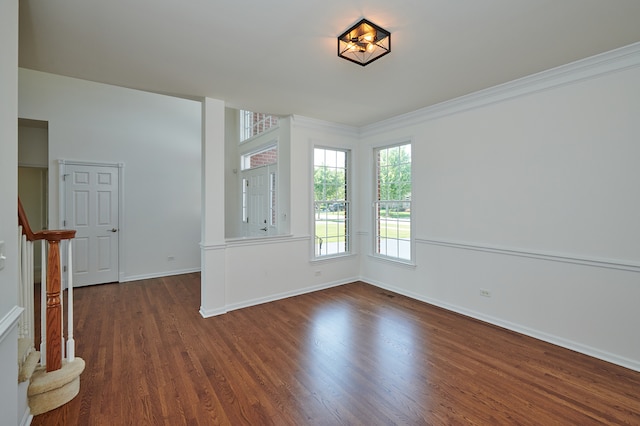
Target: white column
(213, 286)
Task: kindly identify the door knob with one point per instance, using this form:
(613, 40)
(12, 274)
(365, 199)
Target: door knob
(263, 229)
(113, 230)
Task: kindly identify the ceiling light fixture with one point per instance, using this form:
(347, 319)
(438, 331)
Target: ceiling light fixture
(364, 43)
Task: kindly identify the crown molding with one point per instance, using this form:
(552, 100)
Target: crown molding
(321, 125)
(613, 61)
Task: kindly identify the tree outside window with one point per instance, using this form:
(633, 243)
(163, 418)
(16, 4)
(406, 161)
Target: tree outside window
(331, 202)
(393, 202)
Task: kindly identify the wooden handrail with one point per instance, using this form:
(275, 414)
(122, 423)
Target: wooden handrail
(24, 222)
(54, 310)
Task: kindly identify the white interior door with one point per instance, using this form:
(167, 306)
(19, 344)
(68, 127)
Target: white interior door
(91, 206)
(260, 201)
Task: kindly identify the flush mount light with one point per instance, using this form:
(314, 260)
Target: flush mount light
(364, 43)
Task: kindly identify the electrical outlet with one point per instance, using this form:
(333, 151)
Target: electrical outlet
(171, 258)
(485, 293)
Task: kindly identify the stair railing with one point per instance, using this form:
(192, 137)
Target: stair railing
(52, 345)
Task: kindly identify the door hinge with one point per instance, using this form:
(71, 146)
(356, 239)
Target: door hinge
(64, 223)
(64, 268)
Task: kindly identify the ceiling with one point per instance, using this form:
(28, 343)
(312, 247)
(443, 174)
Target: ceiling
(280, 56)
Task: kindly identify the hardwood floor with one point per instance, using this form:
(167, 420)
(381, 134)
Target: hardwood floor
(353, 354)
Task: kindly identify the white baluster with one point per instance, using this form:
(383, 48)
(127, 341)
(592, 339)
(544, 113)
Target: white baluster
(71, 349)
(43, 306)
(28, 295)
(62, 345)
(29, 283)
(21, 281)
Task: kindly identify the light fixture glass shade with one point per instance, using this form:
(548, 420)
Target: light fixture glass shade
(364, 43)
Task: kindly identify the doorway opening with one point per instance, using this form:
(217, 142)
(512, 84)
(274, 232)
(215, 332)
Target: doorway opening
(33, 178)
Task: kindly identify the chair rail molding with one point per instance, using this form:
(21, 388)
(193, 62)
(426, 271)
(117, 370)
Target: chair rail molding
(624, 265)
(9, 321)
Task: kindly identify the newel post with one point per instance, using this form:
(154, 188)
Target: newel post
(54, 310)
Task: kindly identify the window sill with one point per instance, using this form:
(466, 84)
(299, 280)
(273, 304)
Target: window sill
(329, 258)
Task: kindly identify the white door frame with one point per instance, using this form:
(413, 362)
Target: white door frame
(272, 228)
(62, 213)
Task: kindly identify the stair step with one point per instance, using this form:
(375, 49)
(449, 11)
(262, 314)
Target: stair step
(28, 366)
(48, 391)
(25, 346)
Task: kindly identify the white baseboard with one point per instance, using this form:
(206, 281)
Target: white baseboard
(26, 418)
(208, 313)
(158, 275)
(274, 297)
(536, 334)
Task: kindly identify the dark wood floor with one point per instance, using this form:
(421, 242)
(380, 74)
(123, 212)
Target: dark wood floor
(354, 354)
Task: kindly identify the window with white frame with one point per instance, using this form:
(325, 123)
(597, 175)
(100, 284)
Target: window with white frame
(331, 202)
(392, 205)
(255, 123)
(263, 157)
(259, 174)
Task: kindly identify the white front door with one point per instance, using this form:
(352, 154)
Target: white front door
(91, 206)
(259, 196)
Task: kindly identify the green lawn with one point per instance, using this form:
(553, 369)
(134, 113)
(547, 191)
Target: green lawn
(333, 229)
(396, 215)
(395, 228)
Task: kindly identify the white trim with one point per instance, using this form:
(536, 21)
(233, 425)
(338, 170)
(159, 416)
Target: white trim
(62, 163)
(308, 123)
(27, 417)
(625, 265)
(263, 147)
(350, 175)
(287, 294)
(208, 313)
(212, 246)
(242, 128)
(9, 321)
(332, 257)
(89, 163)
(549, 338)
(408, 140)
(257, 241)
(160, 274)
(595, 66)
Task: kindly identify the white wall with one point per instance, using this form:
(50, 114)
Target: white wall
(10, 397)
(233, 174)
(158, 139)
(262, 269)
(233, 222)
(32, 145)
(531, 193)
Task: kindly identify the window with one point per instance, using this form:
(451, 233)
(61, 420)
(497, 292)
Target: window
(260, 191)
(254, 123)
(331, 202)
(264, 157)
(392, 206)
